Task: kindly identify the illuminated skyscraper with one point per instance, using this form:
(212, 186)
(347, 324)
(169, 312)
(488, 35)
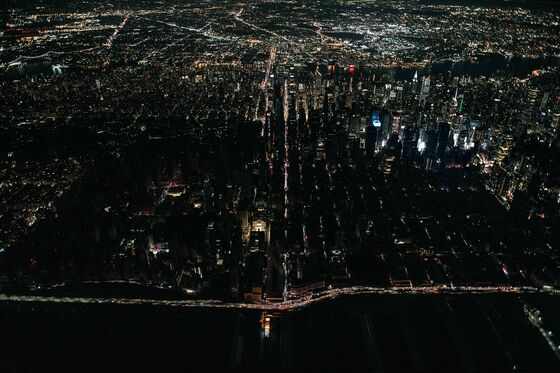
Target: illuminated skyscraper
(391, 153)
(504, 147)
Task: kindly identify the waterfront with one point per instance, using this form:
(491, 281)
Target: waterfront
(278, 186)
(485, 65)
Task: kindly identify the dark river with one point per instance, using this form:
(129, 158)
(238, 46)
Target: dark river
(459, 333)
(485, 66)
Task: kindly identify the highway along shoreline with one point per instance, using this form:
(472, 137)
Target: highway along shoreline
(290, 304)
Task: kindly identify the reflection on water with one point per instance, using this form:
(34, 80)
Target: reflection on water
(484, 66)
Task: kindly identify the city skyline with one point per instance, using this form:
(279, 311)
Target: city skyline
(278, 157)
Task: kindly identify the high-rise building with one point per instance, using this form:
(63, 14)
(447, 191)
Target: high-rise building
(442, 139)
(390, 154)
(371, 140)
(504, 147)
(424, 90)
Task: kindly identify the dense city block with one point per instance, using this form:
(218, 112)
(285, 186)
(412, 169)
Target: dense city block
(267, 154)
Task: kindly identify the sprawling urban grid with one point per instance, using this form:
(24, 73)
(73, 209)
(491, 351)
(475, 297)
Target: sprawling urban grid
(273, 154)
